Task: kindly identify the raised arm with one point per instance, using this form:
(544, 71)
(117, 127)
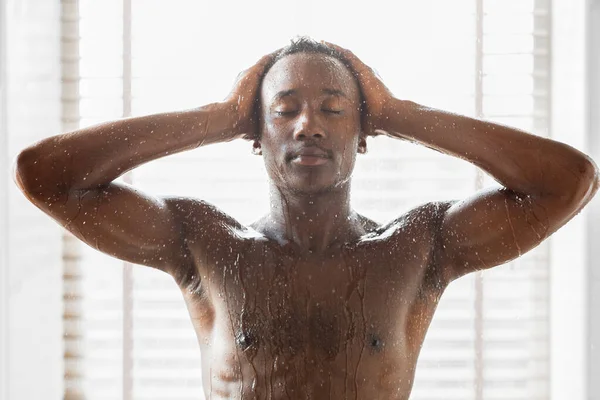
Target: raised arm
(71, 176)
(545, 183)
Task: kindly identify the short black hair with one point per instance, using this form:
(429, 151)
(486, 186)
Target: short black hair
(305, 44)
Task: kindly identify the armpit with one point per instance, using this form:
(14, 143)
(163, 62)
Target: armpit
(435, 278)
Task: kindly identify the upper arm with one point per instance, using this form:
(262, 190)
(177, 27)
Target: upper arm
(495, 226)
(123, 222)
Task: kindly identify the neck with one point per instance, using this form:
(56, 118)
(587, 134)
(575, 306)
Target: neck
(312, 222)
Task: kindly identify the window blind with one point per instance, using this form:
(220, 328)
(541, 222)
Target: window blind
(92, 93)
(483, 58)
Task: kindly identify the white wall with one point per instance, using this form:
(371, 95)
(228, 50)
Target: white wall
(568, 306)
(33, 289)
(575, 305)
(3, 213)
(593, 96)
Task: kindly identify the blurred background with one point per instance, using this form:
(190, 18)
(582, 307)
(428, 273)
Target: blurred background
(77, 324)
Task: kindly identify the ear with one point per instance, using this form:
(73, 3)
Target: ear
(362, 144)
(256, 148)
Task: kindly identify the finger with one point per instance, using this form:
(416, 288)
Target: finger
(335, 46)
(352, 58)
(376, 74)
(249, 136)
(264, 61)
(372, 129)
(247, 81)
(367, 126)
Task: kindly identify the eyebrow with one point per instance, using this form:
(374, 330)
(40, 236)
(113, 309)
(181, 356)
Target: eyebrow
(290, 92)
(335, 92)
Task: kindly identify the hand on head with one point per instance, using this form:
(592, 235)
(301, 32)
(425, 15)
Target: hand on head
(377, 96)
(242, 99)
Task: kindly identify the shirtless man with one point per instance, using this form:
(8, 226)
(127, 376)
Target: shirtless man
(313, 300)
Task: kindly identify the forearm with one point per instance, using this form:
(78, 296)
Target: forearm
(95, 156)
(520, 161)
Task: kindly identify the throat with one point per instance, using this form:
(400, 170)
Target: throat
(311, 221)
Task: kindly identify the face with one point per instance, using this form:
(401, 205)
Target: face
(310, 123)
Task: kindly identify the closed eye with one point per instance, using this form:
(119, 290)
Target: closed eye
(284, 113)
(281, 113)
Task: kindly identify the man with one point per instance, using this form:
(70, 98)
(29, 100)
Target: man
(313, 300)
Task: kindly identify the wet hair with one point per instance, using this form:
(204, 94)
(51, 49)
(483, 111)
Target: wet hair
(305, 44)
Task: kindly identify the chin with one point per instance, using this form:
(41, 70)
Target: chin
(314, 187)
(308, 181)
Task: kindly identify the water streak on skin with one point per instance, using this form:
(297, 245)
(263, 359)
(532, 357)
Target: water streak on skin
(244, 307)
(232, 326)
(251, 348)
(356, 281)
(485, 266)
(512, 229)
(364, 338)
(281, 269)
(287, 215)
(307, 355)
(205, 130)
(97, 209)
(531, 212)
(380, 236)
(79, 196)
(271, 316)
(349, 318)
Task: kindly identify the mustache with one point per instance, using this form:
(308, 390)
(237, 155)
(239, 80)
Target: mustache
(311, 150)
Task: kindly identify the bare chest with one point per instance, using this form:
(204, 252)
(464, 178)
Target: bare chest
(260, 299)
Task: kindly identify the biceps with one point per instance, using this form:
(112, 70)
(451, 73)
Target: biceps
(494, 227)
(124, 223)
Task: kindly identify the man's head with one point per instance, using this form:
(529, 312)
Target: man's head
(309, 103)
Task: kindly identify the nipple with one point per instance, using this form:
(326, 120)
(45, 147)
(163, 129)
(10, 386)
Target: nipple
(375, 342)
(244, 340)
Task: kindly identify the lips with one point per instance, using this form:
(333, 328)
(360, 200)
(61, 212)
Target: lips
(310, 156)
(310, 152)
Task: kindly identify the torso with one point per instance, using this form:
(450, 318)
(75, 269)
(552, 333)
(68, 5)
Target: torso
(348, 323)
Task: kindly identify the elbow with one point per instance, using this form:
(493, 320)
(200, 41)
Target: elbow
(30, 174)
(586, 186)
(20, 170)
(595, 181)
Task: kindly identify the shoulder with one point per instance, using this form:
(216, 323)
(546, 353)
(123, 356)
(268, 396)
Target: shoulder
(193, 211)
(203, 223)
(207, 230)
(418, 232)
(425, 219)
(436, 277)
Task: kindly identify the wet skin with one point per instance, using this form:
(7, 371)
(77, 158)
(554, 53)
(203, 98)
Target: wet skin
(347, 322)
(291, 307)
(312, 300)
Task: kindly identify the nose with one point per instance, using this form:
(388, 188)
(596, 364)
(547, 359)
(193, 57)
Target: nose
(308, 126)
